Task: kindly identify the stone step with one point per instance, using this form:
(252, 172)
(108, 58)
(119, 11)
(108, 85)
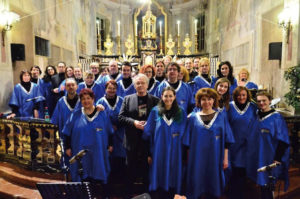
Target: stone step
(9, 190)
(26, 178)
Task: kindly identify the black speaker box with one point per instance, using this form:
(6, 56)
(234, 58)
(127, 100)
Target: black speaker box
(17, 52)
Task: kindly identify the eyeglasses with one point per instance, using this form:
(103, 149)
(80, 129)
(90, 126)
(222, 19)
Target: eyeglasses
(172, 69)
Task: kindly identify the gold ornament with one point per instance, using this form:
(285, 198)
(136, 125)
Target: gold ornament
(170, 44)
(129, 45)
(187, 44)
(108, 44)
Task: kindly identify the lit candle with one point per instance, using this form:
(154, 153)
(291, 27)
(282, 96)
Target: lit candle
(160, 30)
(136, 28)
(119, 28)
(178, 24)
(196, 21)
(98, 26)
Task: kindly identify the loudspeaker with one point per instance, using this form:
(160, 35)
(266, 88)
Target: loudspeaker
(17, 52)
(275, 50)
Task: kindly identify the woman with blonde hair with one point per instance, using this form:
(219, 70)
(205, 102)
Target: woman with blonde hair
(183, 74)
(244, 77)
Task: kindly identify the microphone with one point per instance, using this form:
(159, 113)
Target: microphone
(269, 167)
(78, 156)
(35, 98)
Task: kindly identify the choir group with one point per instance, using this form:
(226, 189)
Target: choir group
(172, 127)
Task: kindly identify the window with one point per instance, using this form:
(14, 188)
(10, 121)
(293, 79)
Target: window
(201, 32)
(41, 46)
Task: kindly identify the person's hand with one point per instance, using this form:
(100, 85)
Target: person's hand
(225, 163)
(100, 107)
(11, 116)
(69, 152)
(179, 197)
(110, 149)
(139, 124)
(55, 90)
(62, 88)
(149, 160)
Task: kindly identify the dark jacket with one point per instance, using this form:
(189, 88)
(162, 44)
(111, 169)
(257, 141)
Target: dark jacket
(128, 114)
(56, 81)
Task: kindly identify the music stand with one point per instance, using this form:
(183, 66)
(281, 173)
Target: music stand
(70, 190)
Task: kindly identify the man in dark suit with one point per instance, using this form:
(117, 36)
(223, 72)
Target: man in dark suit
(57, 79)
(133, 115)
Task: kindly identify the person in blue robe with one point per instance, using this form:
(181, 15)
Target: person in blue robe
(125, 85)
(69, 73)
(225, 69)
(89, 82)
(89, 129)
(25, 98)
(203, 80)
(164, 128)
(241, 115)
(244, 77)
(46, 87)
(113, 73)
(112, 104)
(183, 91)
(149, 71)
(208, 136)
(268, 143)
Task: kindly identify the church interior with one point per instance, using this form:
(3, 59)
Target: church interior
(262, 36)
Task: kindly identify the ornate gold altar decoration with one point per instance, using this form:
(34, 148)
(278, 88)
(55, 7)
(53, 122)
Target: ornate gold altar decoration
(170, 45)
(129, 45)
(126, 58)
(187, 44)
(149, 25)
(108, 44)
(2, 139)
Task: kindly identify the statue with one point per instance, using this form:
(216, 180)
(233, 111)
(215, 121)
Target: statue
(187, 44)
(170, 45)
(129, 45)
(108, 44)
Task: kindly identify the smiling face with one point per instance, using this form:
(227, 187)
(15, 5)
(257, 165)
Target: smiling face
(263, 103)
(70, 72)
(111, 91)
(50, 71)
(113, 67)
(141, 86)
(26, 77)
(149, 73)
(222, 88)
(172, 73)
(77, 73)
(207, 103)
(225, 70)
(204, 68)
(126, 71)
(35, 73)
(242, 97)
(87, 101)
(61, 68)
(168, 98)
(159, 69)
(71, 87)
(89, 80)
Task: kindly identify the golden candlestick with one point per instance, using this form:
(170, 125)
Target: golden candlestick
(196, 43)
(119, 45)
(178, 44)
(136, 44)
(161, 46)
(99, 44)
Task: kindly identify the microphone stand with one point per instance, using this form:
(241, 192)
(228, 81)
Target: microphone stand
(64, 167)
(270, 186)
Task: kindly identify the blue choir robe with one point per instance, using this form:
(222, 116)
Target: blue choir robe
(122, 91)
(153, 87)
(25, 100)
(201, 82)
(166, 150)
(205, 172)
(106, 78)
(241, 122)
(91, 134)
(113, 112)
(62, 112)
(263, 142)
(62, 84)
(251, 85)
(97, 89)
(45, 89)
(184, 95)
